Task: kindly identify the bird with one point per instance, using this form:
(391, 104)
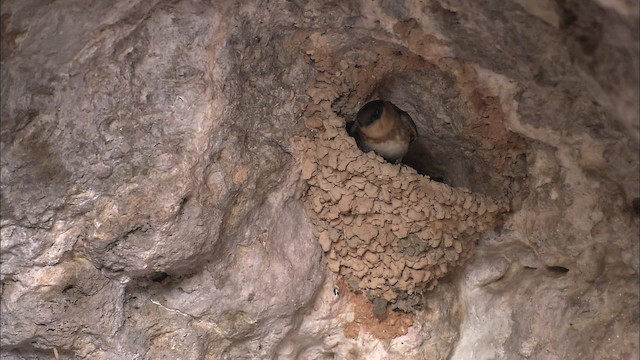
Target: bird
(384, 128)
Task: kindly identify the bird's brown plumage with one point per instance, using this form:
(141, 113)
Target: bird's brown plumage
(384, 128)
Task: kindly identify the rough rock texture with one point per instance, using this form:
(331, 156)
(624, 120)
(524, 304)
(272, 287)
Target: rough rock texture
(137, 219)
(152, 203)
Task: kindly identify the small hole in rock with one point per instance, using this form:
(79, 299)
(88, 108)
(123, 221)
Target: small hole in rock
(67, 288)
(420, 158)
(158, 276)
(635, 204)
(558, 269)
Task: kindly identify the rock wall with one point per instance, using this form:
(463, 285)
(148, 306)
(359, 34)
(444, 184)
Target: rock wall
(153, 194)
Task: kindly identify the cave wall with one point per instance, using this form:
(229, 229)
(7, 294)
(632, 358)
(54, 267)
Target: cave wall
(153, 197)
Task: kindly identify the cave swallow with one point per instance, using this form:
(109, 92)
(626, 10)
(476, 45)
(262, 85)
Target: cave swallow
(384, 128)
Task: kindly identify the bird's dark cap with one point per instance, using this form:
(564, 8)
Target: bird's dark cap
(370, 112)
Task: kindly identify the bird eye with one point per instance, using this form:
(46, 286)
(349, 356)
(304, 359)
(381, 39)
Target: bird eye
(377, 113)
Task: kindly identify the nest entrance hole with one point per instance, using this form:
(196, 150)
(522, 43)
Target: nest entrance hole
(462, 140)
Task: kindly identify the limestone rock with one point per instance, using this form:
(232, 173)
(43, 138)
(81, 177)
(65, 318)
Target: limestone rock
(154, 204)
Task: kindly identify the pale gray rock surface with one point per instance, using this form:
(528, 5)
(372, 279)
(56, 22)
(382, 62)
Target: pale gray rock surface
(151, 199)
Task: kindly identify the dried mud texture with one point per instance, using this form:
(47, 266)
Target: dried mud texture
(388, 231)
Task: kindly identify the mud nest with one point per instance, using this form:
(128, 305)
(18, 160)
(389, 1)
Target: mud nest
(388, 231)
(391, 231)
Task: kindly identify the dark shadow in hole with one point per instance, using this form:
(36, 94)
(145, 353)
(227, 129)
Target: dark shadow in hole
(635, 204)
(158, 276)
(560, 270)
(420, 158)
